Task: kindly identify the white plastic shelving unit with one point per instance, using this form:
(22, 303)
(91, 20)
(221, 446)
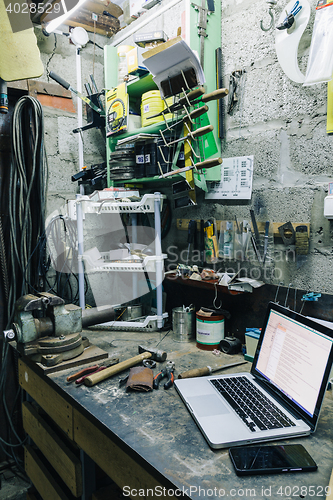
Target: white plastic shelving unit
(149, 203)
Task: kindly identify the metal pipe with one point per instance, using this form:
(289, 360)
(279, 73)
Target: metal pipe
(159, 263)
(97, 315)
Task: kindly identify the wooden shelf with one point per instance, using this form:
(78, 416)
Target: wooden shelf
(182, 225)
(204, 285)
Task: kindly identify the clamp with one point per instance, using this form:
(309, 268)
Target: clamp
(166, 372)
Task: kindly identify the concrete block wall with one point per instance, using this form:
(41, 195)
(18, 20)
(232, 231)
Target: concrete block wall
(283, 125)
(59, 55)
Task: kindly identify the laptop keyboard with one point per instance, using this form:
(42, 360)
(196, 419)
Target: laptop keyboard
(251, 405)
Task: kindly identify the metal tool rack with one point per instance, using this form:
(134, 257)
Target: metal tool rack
(150, 203)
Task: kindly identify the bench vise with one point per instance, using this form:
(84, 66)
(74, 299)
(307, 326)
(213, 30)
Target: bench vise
(49, 330)
(44, 315)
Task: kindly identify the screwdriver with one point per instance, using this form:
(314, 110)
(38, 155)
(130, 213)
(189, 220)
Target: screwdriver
(67, 86)
(193, 98)
(192, 229)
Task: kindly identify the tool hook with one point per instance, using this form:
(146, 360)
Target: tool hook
(271, 5)
(277, 291)
(214, 301)
(289, 286)
(271, 13)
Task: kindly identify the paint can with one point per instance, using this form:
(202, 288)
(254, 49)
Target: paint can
(210, 331)
(183, 323)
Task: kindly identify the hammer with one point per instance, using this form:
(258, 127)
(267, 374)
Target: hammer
(150, 352)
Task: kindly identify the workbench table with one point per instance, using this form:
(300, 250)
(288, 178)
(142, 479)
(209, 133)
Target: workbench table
(148, 441)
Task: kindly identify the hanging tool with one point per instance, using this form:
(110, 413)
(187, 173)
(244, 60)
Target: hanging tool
(208, 370)
(255, 228)
(67, 86)
(266, 241)
(166, 372)
(202, 24)
(302, 245)
(202, 242)
(193, 98)
(196, 113)
(192, 230)
(192, 135)
(234, 81)
(212, 162)
(287, 233)
(290, 19)
(211, 243)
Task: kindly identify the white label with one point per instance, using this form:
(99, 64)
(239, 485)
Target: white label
(139, 159)
(146, 108)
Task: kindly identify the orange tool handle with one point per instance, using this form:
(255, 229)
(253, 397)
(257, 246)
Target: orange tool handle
(81, 373)
(81, 379)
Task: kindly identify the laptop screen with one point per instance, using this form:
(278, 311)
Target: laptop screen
(293, 357)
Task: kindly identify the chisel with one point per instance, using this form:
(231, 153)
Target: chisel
(194, 98)
(192, 135)
(67, 86)
(196, 113)
(208, 370)
(212, 162)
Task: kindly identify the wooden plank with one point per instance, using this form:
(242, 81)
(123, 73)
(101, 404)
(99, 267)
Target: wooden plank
(112, 459)
(62, 459)
(54, 405)
(91, 354)
(54, 89)
(42, 479)
(182, 225)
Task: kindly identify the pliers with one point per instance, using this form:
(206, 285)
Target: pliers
(166, 372)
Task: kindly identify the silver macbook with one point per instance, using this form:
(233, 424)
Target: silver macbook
(280, 398)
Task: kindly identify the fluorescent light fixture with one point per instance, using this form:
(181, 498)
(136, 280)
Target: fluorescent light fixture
(53, 25)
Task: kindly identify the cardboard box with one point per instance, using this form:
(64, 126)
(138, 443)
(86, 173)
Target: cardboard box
(135, 64)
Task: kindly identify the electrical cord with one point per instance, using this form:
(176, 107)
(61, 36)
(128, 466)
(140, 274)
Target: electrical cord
(26, 205)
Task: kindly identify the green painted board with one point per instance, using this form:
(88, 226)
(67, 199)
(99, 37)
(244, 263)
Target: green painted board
(212, 42)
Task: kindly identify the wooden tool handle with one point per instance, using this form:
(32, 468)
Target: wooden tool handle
(215, 95)
(202, 131)
(112, 370)
(209, 163)
(191, 95)
(196, 372)
(198, 112)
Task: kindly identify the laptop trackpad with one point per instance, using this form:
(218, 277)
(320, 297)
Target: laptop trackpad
(207, 406)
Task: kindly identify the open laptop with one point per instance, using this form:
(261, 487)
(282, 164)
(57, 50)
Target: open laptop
(290, 371)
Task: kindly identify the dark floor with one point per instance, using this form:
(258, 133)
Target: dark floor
(13, 485)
